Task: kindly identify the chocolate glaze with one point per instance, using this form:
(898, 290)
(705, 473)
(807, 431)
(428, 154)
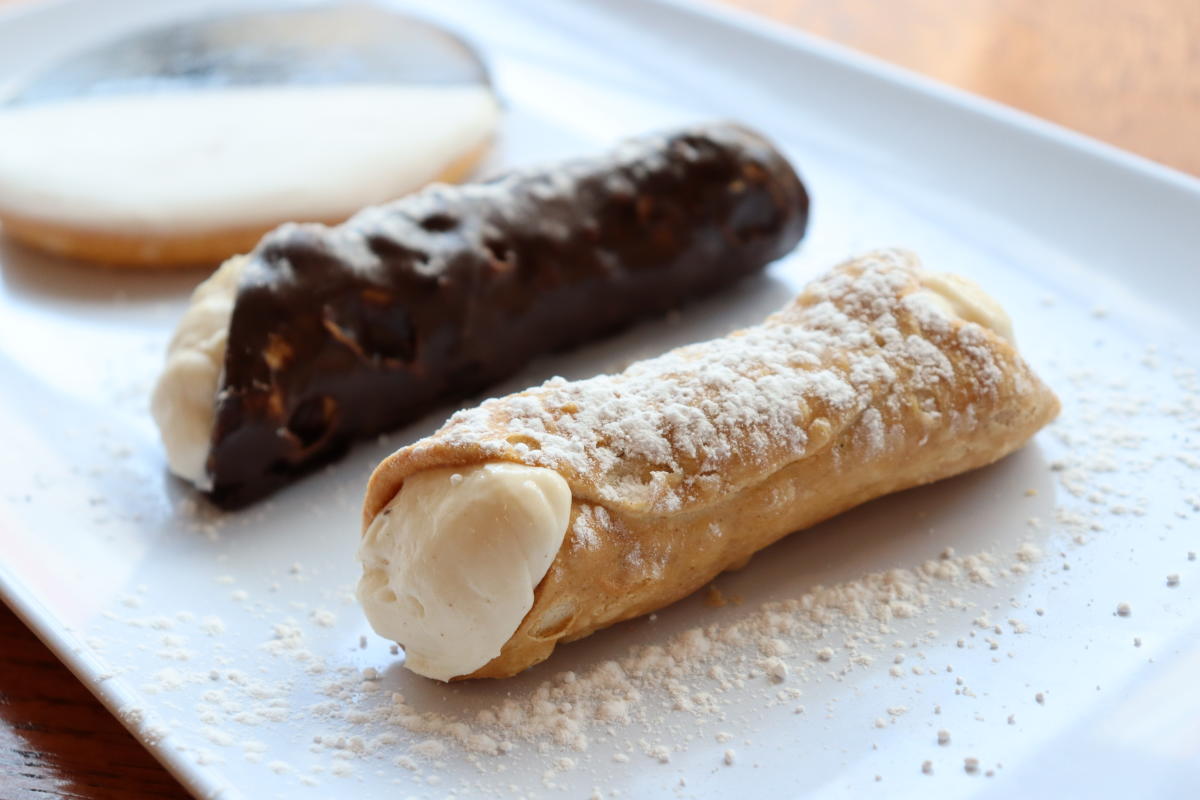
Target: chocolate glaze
(346, 332)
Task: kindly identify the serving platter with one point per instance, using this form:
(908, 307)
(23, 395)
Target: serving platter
(1060, 658)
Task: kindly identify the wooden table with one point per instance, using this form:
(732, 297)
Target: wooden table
(1125, 72)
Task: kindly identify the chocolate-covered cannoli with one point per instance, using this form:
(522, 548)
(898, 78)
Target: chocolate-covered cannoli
(326, 334)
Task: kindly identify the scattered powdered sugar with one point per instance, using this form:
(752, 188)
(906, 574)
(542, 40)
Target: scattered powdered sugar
(701, 672)
(775, 668)
(1029, 552)
(324, 618)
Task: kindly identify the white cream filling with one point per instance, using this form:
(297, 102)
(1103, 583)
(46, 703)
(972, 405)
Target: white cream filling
(957, 296)
(184, 398)
(450, 565)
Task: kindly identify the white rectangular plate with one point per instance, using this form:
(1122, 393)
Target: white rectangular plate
(232, 646)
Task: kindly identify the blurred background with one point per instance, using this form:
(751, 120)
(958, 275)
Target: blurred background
(1122, 71)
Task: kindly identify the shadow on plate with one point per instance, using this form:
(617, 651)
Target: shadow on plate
(35, 277)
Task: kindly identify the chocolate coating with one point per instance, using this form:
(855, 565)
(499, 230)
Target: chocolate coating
(346, 332)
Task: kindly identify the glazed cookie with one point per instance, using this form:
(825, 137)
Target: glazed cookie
(170, 180)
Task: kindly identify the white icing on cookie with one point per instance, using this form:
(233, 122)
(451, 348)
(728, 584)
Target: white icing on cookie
(235, 158)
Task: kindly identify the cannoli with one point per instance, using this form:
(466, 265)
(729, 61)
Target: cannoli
(546, 515)
(323, 335)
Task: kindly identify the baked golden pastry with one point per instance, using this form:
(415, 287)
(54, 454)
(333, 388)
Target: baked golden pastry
(880, 376)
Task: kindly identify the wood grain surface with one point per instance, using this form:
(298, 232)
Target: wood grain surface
(56, 740)
(1122, 71)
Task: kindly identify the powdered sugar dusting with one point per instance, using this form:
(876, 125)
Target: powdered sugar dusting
(691, 423)
(701, 672)
(585, 531)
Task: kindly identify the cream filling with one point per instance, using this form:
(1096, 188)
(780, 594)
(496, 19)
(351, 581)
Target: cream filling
(184, 399)
(957, 296)
(450, 565)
